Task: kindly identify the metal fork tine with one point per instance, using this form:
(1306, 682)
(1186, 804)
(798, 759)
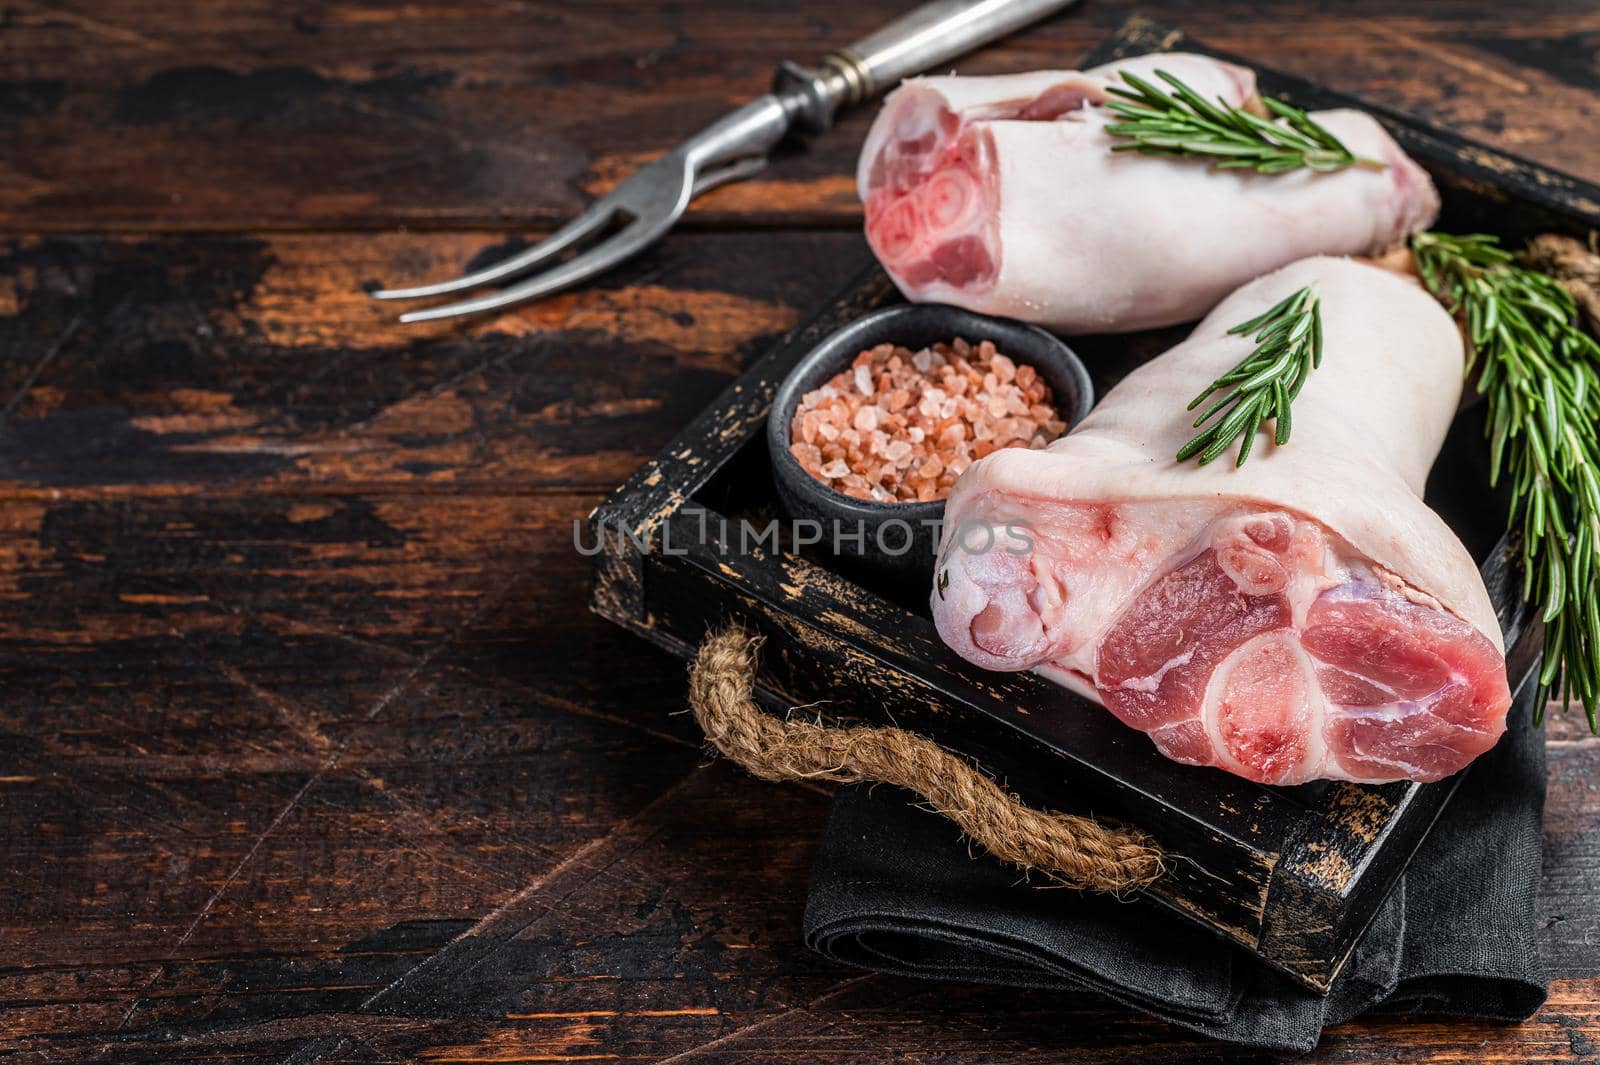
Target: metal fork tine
(737, 170)
(597, 216)
(601, 257)
(653, 198)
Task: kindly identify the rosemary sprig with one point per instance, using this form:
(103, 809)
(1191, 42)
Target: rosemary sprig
(1288, 347)
(1185, 123)
(1540, 372)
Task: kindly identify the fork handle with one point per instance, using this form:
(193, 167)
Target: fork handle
(926, 37)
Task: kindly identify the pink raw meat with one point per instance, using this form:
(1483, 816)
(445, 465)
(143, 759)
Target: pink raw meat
(1305, 616)
(1002, 194)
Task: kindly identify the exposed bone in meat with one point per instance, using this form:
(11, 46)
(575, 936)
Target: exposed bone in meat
(1303, 616)
(1001, 194)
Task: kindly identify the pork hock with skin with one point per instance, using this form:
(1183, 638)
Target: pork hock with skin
(1303, 616)
(1002, 195)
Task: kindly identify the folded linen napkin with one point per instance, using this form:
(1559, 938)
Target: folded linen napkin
(895, 888)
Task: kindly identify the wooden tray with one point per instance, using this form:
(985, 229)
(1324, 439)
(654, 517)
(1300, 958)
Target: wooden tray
(1292, 875)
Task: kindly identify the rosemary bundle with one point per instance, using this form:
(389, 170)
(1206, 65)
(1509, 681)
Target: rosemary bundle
(1184, 123)
(1540, 373)
(1288, 347)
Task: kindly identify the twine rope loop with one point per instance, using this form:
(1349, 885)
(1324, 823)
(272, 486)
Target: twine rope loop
(1574, 263)
(1077, 851)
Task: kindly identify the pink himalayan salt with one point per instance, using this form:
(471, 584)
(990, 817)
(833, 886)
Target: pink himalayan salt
(901, 426)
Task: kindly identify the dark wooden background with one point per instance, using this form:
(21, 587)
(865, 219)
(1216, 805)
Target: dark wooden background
(309, 749)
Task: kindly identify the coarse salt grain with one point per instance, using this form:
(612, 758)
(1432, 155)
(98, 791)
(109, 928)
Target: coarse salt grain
(863, 380)
(901, 425)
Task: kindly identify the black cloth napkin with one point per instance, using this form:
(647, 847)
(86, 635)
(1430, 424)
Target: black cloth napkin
(896, 889)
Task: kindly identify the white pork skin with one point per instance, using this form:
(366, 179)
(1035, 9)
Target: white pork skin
(1303, 616)
(1002, 195)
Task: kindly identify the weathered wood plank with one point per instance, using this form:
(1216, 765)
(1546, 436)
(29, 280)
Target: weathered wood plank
(276, 753)
(153, 366)
(165, 115)
(257, 729)
(868, 1019)
(190, 674)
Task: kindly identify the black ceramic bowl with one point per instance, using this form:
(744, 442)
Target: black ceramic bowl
(900, 537)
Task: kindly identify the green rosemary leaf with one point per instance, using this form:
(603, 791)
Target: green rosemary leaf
(1271, 313)
(1538, 369)
(1221, 404)
(1184, 123)
(1288, 345)
(1280, 404)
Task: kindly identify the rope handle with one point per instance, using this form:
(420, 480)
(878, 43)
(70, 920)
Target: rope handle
(1576, 264)
(1079, 852)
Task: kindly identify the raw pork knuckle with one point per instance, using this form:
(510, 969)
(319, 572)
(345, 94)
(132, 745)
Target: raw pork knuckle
(1303, 616)
(1002, 195)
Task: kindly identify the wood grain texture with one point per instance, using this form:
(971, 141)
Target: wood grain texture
(168, 115)
(146, 365)
(310, 750)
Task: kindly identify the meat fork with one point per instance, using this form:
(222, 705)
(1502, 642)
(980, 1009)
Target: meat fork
(639, 211)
